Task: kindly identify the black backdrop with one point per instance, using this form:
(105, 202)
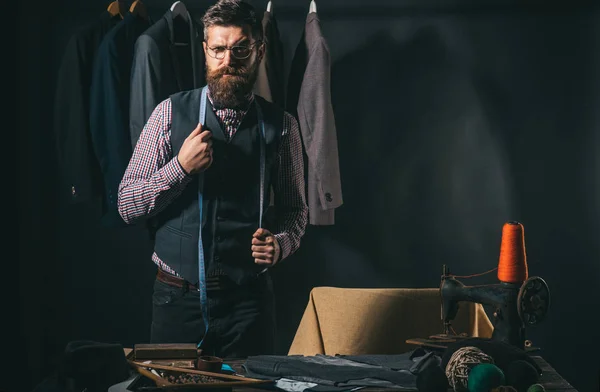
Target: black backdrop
(452, 119)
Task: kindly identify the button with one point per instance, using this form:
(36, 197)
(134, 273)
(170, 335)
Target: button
(218, 238)
(328, 197)
(220, 218)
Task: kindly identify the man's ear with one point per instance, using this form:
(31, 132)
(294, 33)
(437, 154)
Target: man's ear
(204, 46)
(261, 51)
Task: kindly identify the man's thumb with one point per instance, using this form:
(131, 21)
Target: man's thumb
(196, 131)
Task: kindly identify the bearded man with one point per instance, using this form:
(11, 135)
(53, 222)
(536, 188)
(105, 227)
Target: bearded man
(202, 172)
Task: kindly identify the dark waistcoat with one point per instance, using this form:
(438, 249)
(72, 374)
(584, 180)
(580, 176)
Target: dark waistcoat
(231, 193)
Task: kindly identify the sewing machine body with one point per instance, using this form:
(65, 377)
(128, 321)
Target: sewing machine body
(515, 305)
(508, 326)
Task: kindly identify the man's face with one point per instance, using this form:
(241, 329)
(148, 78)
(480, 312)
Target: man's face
(232, 59)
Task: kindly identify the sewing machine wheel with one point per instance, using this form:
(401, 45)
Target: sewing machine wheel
(533, 300)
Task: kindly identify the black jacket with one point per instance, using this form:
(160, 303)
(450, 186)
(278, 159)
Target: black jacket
(109, 109)
(79, 169)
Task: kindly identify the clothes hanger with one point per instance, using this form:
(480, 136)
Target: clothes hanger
(313, 7)
(179, 9)
(116, 8)
(139, 9)
(269, 6)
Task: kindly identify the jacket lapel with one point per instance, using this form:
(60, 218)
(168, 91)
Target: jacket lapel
(213, 124)
(196, 38)
(247, 123)
(194, 43)
(172, 51)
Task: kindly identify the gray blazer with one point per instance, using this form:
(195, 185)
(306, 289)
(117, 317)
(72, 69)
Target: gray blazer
(168, 58)
(309, 99)
(270, 78)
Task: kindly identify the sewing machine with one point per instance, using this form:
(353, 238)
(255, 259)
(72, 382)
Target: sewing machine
(516, 305)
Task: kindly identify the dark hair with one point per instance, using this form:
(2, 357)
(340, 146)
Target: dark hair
(233, 13)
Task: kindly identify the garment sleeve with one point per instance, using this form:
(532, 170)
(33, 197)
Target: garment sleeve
(144, 85)
(108, 124)
(289, 190)
(317, 124)
(76, 161)
(154, 178)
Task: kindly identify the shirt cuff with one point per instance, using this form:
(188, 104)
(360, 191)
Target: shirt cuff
(174, 173)
(284, 245)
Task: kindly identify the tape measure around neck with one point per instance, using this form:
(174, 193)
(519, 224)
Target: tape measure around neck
(201, 263)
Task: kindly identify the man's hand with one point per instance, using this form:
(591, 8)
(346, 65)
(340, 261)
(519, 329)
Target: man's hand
(265, 248)
(195, 154)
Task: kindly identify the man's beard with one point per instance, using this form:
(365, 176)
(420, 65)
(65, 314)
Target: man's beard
(233, 90)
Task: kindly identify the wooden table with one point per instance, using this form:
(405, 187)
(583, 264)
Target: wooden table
(551, 380)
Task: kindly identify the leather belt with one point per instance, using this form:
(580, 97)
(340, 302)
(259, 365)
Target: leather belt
(173, 280)
(220, 282)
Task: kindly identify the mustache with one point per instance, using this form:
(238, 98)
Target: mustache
(238, 71)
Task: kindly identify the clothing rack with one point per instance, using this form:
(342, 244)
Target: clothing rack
(348, 12)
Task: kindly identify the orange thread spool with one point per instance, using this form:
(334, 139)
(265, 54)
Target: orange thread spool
(512, 266)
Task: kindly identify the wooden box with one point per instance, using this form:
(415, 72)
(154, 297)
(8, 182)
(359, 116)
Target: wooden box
(183, 377)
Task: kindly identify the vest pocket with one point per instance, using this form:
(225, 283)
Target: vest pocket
(177, 232)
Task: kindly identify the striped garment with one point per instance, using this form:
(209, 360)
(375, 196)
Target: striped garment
(154, 178)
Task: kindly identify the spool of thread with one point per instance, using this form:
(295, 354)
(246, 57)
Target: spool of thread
(485, 377)
(512, 266)
(504, 388)
(536, 388)
(460, 364)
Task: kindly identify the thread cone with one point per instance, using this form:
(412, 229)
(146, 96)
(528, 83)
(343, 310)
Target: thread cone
(512, 266)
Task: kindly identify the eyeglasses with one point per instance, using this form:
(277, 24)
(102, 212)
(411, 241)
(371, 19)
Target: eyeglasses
(238, 52)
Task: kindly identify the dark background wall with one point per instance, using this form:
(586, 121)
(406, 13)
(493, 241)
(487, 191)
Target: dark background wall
(453, 117)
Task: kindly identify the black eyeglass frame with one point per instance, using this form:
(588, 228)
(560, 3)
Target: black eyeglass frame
(212, 52)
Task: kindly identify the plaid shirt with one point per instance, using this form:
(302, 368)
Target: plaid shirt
(154, 177)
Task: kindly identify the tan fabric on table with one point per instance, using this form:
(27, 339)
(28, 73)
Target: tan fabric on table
(377, 321)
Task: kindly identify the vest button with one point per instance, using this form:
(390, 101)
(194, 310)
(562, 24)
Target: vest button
(218, 238)
(220, 218)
